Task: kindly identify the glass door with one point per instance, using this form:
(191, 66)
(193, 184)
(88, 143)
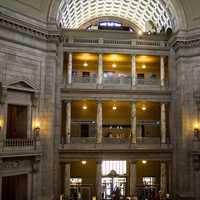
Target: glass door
(111, 184)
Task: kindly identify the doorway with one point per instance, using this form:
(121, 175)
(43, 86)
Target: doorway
(110, 184)
(84, 130)
(17, 122)
(14, 187)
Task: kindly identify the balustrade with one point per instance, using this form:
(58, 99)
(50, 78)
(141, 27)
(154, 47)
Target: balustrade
(13, 145)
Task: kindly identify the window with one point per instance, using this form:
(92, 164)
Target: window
(120, 167)
(149, 181)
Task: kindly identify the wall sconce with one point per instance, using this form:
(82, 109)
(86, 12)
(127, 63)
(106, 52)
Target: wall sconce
(1, 125)
(37, 129)
(196, 131)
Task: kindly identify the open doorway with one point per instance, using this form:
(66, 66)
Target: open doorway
(14, 187)
(17, 122)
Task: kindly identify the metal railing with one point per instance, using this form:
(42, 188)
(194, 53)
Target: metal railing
(83, 79)
(141, 81)
(117, 80)
(15, 145)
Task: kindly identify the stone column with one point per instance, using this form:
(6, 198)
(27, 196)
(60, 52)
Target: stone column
(100, 71)
(163, 124)
(133, 178)
(69, 71)
(99, 123)
(68, 121)
(67, 181)
(29, 192)
(1, 187)
(133, 71)
(162, 71)
(133, 123)
(98, 180)
(163, 178)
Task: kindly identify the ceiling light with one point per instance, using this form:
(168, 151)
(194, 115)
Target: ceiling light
(114, 65)
(144, 162)
(144, 66)
(144, 108)
(84, 162)
(85, 64)
(84, 107)
(114, 107)
(140, 32)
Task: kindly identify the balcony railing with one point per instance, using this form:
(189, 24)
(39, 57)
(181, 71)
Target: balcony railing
(117, 80)
(19, 145)
(141, 81)
(83, 79)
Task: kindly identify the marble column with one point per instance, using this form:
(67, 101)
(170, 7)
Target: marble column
(163, 123)
(67, 181)
(133, 123)
(133, 178)
(69, 71)
(163, 178)
(133, 71)
(68, 121)
(99, 123)
(162, 71)
(98, 180)
(29, 192)
(1, 187)
(100, 71)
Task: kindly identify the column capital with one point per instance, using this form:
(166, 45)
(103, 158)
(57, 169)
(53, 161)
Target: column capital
(67, 101)
(98, 161)
(133, 161)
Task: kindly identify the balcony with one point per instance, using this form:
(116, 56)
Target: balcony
(19, 147)
(84, 38)
(124, 83)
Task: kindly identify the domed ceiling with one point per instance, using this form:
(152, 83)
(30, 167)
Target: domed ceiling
(74, 13)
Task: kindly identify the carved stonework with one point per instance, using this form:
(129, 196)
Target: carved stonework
(35, 99)
(3, 95)
(186, 44)
(15, 164)
(196, 163)
(28, 30)
(35, 164)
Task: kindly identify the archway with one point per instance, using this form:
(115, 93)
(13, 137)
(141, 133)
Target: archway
(172, 13)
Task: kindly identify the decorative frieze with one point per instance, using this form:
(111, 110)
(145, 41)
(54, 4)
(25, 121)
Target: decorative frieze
(11, 23)
(14, 164)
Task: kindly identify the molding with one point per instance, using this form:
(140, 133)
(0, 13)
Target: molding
(185, 39)
(30, 30)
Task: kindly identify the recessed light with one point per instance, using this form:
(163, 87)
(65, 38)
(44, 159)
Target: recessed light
(144, 66)
(144, 162)
(114, 65)
(84, 107)
(84, 162)
(144, 108)
(85, 64)
(114, 107)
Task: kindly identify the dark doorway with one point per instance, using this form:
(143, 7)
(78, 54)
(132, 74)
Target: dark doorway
(84, 130)
(17, 122)
(14, 187)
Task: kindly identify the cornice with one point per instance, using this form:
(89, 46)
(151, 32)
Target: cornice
(185, 39)
(32, 31)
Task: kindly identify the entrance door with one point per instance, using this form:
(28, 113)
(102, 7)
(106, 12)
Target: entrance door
(84, 130)
(110, 184)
